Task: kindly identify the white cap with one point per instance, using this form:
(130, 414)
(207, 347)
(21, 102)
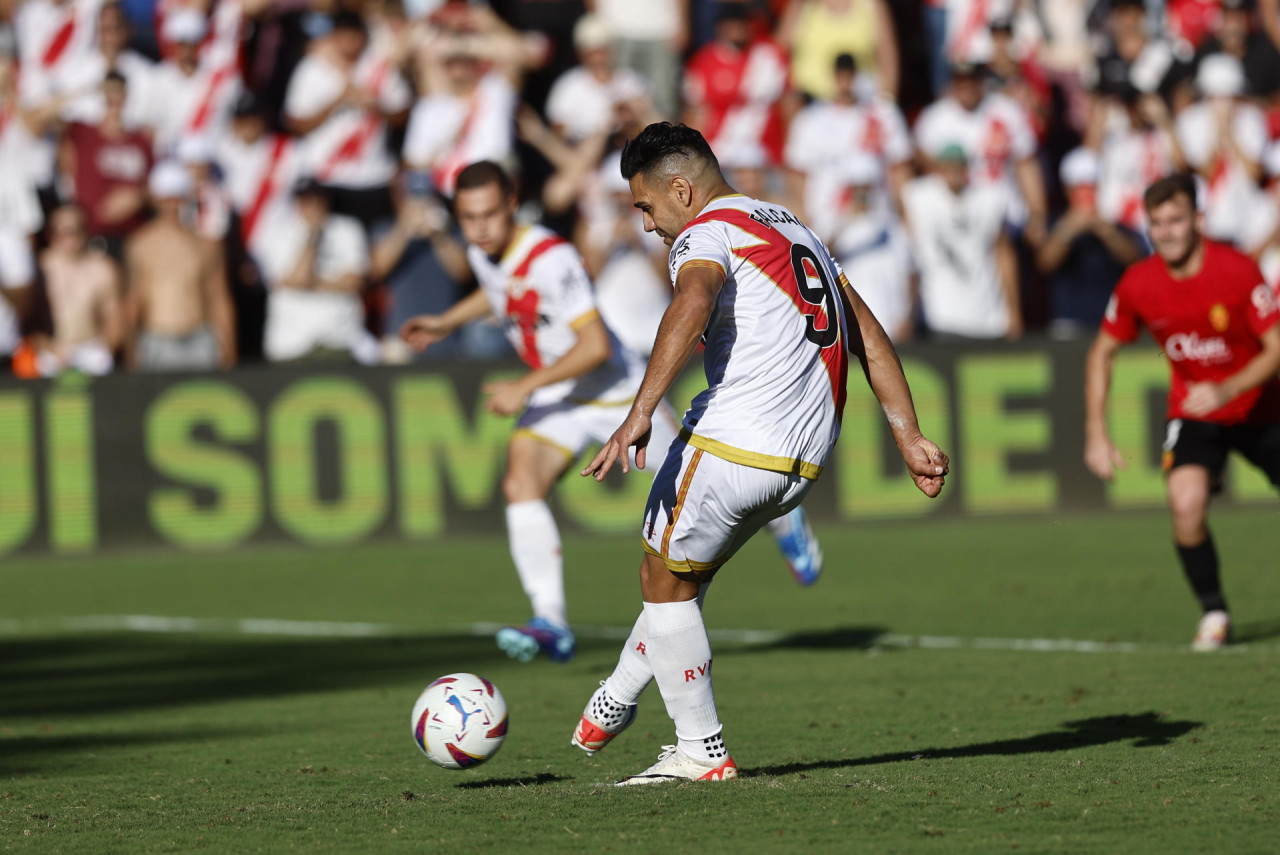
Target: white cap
(1271, 160)
(591, 32)
(194, 150)
(1079, 167)
(170, 180)
(185, 26)
(862, 169)
(611, 180)
(1220, 75)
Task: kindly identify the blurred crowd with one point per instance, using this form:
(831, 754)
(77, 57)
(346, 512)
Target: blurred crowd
(188, 184)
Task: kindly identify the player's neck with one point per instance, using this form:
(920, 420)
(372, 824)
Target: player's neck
(1191, 264)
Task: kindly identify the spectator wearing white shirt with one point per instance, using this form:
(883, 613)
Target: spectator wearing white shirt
(191, 94)
(315, 269)
(968, 270)
(82, 82)
(584, 101)
(465, 112)
(996, 137)
(872, 248)
(342, 97)
(1224, 140)
(825, 135)
(1141, 148)
(649, 39)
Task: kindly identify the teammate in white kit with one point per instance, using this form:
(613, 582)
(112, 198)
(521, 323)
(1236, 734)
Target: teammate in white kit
(776, 315)
(580, 384)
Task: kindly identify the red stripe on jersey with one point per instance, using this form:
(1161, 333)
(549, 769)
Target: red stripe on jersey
(773, 259)
(524, 309)
(61, 39)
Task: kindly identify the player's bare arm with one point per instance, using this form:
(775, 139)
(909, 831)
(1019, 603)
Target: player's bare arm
(1204, 398)
(926, 462)
(589, 352)
(696, 291)
(1100, 453)
(422, 331)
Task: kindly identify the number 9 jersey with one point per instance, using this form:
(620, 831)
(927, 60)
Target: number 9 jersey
(776, 354)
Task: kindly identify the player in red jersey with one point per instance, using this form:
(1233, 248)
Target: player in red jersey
(1210, 309)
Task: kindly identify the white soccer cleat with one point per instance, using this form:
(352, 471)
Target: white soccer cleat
(674, 765)
(1213, 633)
(601, 722)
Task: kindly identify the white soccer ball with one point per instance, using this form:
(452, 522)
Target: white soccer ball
(459, 721)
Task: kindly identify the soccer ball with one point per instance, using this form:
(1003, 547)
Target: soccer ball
(459, 721)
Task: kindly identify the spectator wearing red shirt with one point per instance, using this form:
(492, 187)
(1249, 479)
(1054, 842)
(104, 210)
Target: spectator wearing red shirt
(1217, 322)
(109, 165)
(733, 86)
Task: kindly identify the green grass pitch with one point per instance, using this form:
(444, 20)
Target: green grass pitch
(128, 742)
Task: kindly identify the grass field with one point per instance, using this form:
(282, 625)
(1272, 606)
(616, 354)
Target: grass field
(850, 738)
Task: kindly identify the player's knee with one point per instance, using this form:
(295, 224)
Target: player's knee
(519, 488)
(1188, 507)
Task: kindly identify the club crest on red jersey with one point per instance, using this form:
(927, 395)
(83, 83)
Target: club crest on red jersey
(1220, 317)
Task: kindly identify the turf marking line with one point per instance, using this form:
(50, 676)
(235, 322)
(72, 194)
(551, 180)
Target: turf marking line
(357, 629)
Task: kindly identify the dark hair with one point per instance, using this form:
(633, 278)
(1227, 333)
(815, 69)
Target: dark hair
(660, 141)
(846, 62)
(113, 76)
(1170, 187)
(345, 19)
(483, 173)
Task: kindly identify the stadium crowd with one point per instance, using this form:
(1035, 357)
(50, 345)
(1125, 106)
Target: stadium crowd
(188, 184)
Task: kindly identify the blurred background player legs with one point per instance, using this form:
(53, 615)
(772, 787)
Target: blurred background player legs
(547, 439)
(799, 545)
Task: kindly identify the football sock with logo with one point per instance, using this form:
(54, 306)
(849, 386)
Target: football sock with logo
(633, 671)
(680, 655)
(1200, 564)
(535, 549)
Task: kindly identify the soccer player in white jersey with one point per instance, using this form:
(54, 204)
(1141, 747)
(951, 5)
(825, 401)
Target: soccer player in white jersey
(580, 383)
(776, 316)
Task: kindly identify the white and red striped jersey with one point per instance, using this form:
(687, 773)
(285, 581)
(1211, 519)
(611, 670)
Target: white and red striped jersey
(1231, 194)
(53, 37)
(259, 179)
(542, 295)
(226, 28)
(197, 104)
(447, 133)
(350, 148)
(776, 354)
(821, 137)
(739, 93)
(1130, 161)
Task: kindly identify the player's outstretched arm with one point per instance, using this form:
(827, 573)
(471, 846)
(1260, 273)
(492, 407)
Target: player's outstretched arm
(868, 341)
(1100, 453)
(592, 349)
(422, 331)
(696, 290)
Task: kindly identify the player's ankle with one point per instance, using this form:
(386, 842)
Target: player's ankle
(710, 750)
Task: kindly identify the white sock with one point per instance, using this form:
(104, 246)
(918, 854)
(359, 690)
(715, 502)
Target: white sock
(680, 655)
(634, 671)
(535, 549)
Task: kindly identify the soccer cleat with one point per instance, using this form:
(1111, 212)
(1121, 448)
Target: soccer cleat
(599, 724)
(1213, 633)
(539, 635)
(674, 765)
(799, 546)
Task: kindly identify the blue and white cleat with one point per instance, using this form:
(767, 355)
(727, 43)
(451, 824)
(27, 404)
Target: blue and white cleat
(799, 546)
(539, 635)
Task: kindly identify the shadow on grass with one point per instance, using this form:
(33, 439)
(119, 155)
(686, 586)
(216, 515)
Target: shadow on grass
(527, 781)
(28, 754)
(1145, 729)
(95, 674)
(1256, 630)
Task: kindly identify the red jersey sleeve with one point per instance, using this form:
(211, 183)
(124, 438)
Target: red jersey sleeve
(1121, 320)
(1262, 310)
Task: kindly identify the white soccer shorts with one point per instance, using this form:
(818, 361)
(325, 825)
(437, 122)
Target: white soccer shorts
(702, 508)
(571, 427)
